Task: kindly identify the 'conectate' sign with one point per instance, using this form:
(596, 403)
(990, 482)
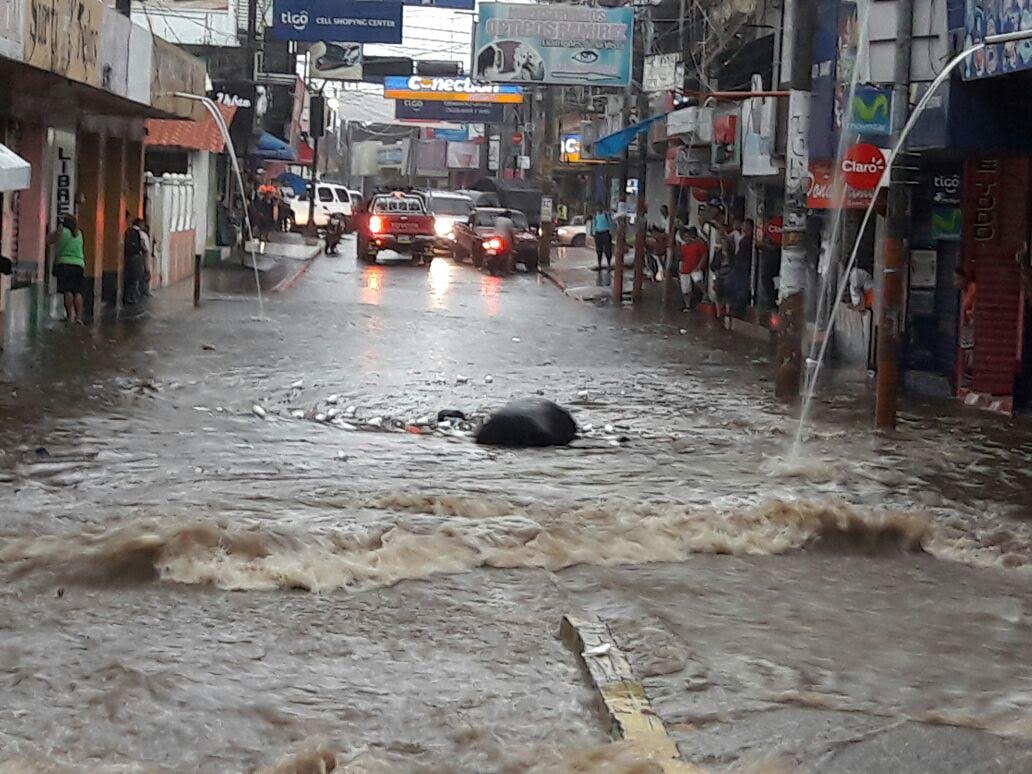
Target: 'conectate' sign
(450, 89)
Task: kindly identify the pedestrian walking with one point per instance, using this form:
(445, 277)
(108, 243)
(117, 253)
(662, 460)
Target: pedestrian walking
(693, 258)
(70, 267)
(137, 254)
(601, 228)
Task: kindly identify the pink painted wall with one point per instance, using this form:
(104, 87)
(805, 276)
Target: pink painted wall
(33, 203)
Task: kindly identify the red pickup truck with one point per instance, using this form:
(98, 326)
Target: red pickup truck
(396, 221)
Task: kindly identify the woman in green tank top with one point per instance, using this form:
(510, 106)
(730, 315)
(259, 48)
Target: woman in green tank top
(70, 267)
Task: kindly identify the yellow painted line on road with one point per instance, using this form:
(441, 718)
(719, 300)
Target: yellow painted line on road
(628, 709)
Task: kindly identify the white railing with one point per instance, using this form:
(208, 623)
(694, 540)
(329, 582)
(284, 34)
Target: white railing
(170, 214)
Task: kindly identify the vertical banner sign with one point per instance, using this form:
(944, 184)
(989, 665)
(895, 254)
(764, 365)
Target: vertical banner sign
(571, 45)
(996, 220)
(64, 180)
(349, 21)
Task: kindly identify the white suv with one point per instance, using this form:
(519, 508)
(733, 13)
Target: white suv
(330, 198)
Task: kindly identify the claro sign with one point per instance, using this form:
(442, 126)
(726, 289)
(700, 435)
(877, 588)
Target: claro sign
(863, 166)
(450, 90)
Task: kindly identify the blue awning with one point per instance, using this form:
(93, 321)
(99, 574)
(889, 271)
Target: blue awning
(614, 144)
(272, 148)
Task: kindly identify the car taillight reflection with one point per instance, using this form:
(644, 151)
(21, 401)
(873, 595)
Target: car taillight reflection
(375, 224)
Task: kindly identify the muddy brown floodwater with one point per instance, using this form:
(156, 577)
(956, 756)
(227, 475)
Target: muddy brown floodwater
(231, 544)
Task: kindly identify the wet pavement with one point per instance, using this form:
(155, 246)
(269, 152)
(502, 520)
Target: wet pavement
(236, 543)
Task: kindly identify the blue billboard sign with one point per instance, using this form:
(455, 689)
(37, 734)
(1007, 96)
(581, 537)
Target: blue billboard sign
(459, 112)
(573, 45)
(991, 17)
(449, 89)
(344, 21)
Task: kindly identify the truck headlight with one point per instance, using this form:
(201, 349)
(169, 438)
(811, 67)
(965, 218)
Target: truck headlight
(443, 226)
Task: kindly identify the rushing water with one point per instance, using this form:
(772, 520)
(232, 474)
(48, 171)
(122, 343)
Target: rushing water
(194, 584)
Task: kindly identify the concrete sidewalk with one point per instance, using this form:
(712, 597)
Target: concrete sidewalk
(281, 260)
(574, 270)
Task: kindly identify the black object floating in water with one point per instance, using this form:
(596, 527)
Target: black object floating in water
(528, 422)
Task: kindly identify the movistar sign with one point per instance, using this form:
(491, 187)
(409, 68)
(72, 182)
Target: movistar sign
(450, 89)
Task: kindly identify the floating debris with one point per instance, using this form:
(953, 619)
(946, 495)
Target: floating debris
(488, 379)
(334, 399)
(461, 379)
(298, 384)
(258, 411)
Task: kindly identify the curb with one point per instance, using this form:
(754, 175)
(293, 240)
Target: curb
(288, 282)
(627, 709)
(547, 274)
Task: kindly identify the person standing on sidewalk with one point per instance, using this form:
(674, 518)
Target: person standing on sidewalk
(70, 267)
(137, 251)
(693, 258)
(601, 228)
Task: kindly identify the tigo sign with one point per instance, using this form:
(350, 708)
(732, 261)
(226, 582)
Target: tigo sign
(344, 21)
(863, 166)
(449, 90)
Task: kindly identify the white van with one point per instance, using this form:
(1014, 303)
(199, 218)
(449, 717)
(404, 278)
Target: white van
(330, 198)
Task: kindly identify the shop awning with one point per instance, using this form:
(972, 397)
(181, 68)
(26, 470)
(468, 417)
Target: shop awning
(273, 148)
(614, 144)
(203, 135)
(15, 172)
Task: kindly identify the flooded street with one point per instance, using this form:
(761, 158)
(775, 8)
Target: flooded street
(237, 544)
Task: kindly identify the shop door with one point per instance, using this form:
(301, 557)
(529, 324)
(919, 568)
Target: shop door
(996, 194)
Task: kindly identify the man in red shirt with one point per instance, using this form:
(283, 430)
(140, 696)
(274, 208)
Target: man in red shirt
(694, 252)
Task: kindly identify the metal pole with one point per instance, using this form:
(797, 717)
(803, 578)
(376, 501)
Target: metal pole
(643, 152)
(794, 254)
(621, 223)
(889, 318)
(670, 281)
(197, 279)
(310, 228)
(548, 186)
(639, 220)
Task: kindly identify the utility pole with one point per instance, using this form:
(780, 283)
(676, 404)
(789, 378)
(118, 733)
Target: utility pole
(896, 232)
(548, 187)
(643, 152)
(795, 268)
(621, 223)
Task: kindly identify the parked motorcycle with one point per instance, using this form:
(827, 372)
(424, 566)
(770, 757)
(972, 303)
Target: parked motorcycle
(335, 229)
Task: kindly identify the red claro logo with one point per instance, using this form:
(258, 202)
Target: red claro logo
(863, 166)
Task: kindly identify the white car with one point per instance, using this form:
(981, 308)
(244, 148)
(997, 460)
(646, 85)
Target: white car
(448, 208)
(330, 199)
(574, 233)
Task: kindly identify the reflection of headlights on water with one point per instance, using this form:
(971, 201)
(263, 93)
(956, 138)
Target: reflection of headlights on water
(443, 226)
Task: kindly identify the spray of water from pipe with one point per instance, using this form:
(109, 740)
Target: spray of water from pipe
(216, 114)
(940, 79)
